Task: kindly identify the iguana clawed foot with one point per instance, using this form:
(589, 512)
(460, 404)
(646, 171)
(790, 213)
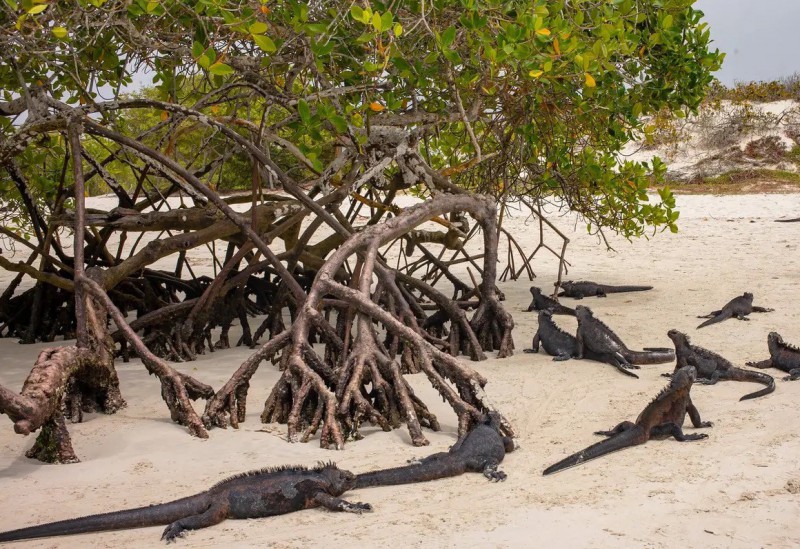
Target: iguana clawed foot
(693, 436)
(494, 475)
(357, 507)
(174, 530)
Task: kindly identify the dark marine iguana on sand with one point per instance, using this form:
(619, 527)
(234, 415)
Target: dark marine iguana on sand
(583, 288)
(781, 356)
(563, 346)
(543, 302)
(480, 451)
(593, 335)
(256, 494)
(712, 367)
(662, 418)
(738, 307)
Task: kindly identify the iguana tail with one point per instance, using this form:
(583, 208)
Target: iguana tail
(659, 356)
(631, 437)
(563, 310)
(620, 289)
(152, 515)
(739, 374)
(724, 315)
(439, 465)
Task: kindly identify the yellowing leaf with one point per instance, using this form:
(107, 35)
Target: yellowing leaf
(543, 31)
(590, 82)
(258, 28)
(556, 46)
(535, 74)
(376, 107)
(265, 10)
(264, 42)
(164, 115)
(220, 69)
(59, 32)
(37, 9)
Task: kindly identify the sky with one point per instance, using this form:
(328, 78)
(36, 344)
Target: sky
(760, 38)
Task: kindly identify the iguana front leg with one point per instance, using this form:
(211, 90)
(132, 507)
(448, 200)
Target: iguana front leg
(760, 364)
(793, 375)
(579, 345)
(332, 503)
(694, 415)
(673, 429)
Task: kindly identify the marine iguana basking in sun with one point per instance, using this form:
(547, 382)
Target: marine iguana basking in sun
(781, 356)
(662, 418)
(563, 346)
(583, 288)
(256, 494)
(712, 367)
(480, 451)
(738, 307)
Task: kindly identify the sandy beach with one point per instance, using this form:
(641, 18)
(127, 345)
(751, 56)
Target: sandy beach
(738, 488)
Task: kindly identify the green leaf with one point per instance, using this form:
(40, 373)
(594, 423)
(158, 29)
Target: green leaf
(386, 20)
(304, 111)
(12, 4)
(398, 29)
(258, 28)
(448, 36)
(377, 23)
(220, 69)
(197, 49)
(339, 123)
(39, 8)
(151, 6)
(356, 13)
(316, 28)
(264, 42)
(59, 32)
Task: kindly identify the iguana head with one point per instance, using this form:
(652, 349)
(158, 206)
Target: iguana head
(340, 480)
(677, 336)
(684, 377)
(535, 291)
(748, 296)
(583, 312)
(774, 340)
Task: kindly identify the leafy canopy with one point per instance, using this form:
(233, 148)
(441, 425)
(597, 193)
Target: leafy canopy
(514, 98)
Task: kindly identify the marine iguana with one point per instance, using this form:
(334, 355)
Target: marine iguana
(480, 451)
(782, 356)
(737, 307)
(662, 418)
(255, 494)
(712, 367)
(595, 336)
(582, 288)
(563, 346)
(543, 302)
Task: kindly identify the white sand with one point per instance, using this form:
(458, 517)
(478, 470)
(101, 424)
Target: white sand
(738, 488)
